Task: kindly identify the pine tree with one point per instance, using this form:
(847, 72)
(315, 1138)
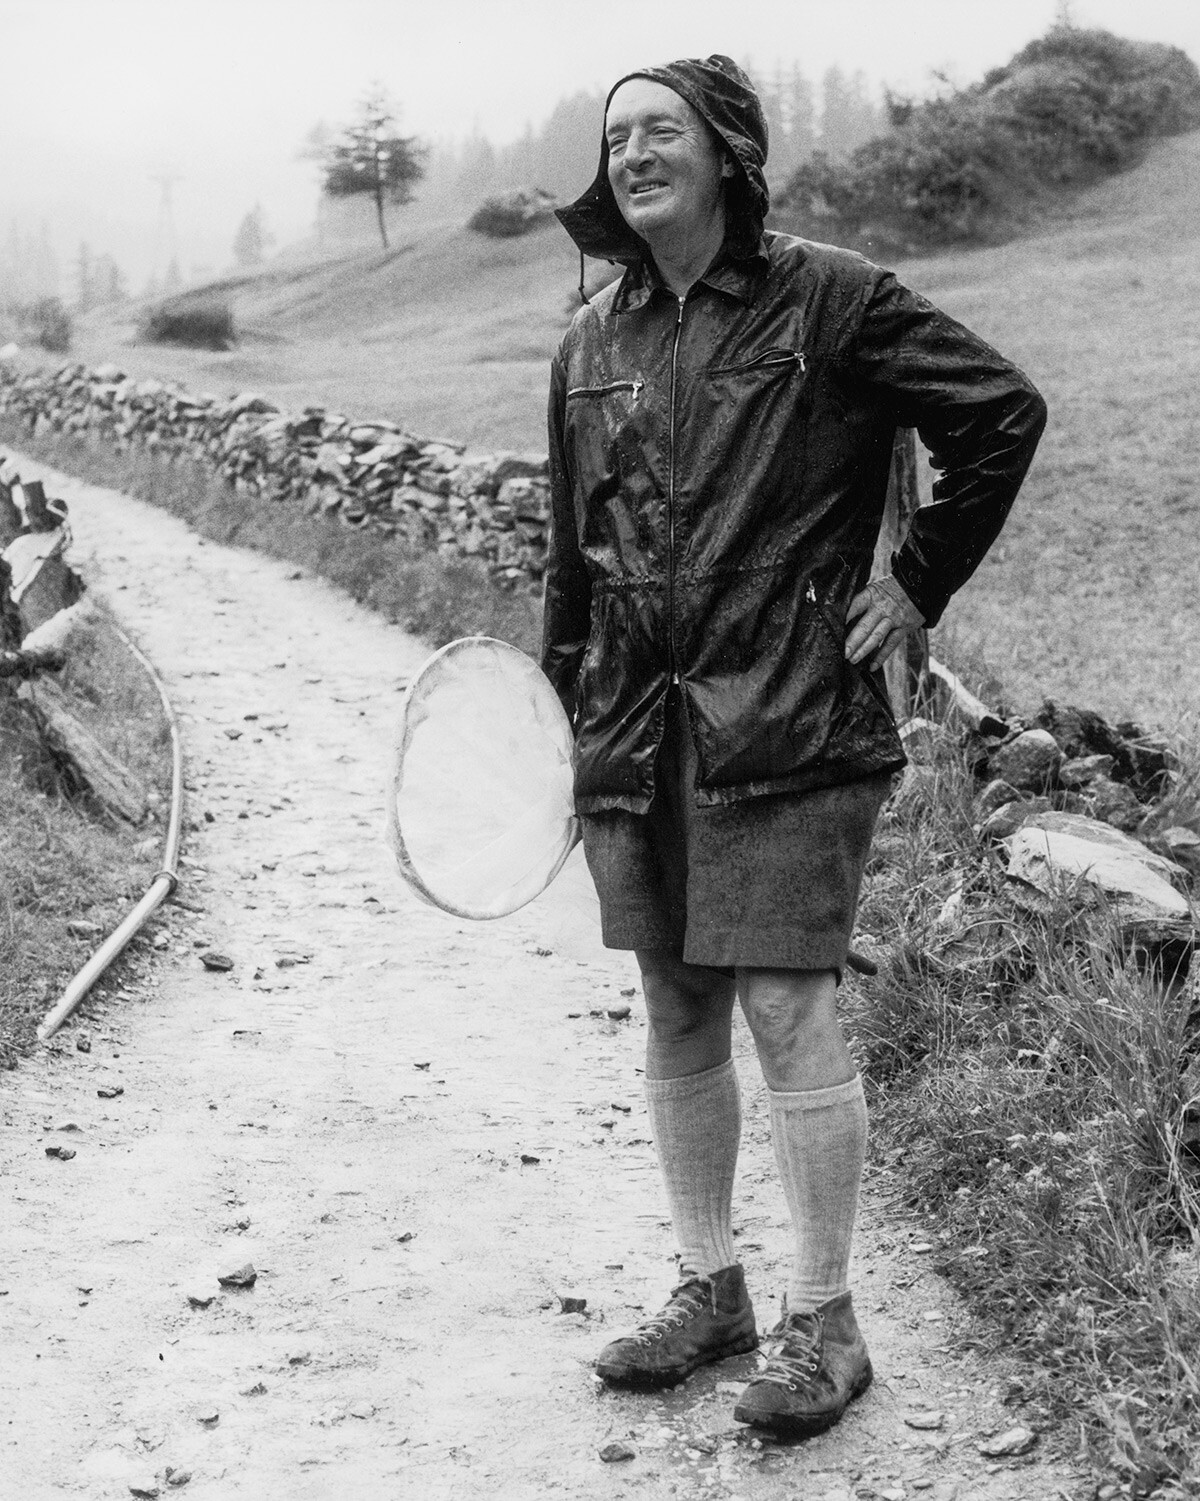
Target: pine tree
(250, 241)
(369, 157)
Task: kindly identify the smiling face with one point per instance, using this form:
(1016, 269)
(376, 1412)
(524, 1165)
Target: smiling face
(665, 165)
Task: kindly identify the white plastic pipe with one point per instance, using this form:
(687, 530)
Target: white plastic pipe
(161, 887)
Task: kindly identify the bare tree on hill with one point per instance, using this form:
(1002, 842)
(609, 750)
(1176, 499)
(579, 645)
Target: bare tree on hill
(369, 156)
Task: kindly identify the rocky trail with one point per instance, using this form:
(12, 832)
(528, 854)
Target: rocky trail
(425, 1136)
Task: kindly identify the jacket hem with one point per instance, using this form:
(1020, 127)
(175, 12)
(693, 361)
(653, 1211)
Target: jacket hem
(801, 781)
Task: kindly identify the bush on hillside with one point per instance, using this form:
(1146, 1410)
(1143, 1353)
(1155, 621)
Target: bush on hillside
(47, 323)
(1069, 107)
(511, 214)
(197, 322)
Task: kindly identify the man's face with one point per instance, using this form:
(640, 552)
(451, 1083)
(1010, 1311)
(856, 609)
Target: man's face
(664, 163)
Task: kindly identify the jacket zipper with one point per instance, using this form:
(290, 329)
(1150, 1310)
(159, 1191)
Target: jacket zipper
(673, 661)
(632, 386)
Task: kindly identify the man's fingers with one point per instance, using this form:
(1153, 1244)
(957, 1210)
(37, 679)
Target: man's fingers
(867, 636)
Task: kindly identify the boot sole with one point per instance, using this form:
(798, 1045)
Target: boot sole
(647, 1380)
(808, 1425)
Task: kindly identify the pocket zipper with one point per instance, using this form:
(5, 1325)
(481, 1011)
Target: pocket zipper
(633, 386)
(768, 359)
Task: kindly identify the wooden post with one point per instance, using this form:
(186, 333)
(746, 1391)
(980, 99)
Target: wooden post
(907, 669)
(11, 521)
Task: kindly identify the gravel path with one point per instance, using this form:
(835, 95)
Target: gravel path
(421, 1133)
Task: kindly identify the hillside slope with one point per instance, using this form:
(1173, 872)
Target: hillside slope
(448, 332)
(1090, 595)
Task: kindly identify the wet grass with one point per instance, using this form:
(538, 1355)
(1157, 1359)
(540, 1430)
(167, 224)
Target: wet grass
(1037, 1094)
(68, 871)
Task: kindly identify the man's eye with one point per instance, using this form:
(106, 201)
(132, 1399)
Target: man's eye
(616, 143)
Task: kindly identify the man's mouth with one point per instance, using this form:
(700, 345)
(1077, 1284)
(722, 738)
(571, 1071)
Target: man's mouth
(639, 188)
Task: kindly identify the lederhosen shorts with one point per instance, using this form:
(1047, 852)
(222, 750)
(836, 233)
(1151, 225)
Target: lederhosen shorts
(769, 882)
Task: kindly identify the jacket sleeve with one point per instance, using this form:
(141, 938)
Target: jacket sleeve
(979, 416)
(567, 607)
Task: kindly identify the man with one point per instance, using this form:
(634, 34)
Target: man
(721, 428)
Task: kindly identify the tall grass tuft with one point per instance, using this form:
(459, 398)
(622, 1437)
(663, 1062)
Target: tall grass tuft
(1037, 1086)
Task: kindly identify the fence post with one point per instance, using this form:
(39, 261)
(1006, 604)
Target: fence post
(906, 671)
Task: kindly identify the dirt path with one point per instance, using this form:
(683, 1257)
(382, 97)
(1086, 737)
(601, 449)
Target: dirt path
(420, 1132)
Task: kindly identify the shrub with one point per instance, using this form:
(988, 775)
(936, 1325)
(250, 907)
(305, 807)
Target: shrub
(197, 322)
(1073, 105)
(48, 323)
(511, 214)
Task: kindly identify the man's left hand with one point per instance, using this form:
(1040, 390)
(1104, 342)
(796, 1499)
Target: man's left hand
(883, 616)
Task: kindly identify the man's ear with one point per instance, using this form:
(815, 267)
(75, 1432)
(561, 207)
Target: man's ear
(727, 167)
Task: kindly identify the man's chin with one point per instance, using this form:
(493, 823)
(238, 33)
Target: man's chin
(645, 218)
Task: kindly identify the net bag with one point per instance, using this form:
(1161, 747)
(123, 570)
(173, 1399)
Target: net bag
(480, 811)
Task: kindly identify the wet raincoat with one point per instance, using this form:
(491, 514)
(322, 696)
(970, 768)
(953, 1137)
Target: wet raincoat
(719, 466)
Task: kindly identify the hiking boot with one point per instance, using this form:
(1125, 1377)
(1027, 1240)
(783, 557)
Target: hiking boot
(706, 1319)
(817, 1368)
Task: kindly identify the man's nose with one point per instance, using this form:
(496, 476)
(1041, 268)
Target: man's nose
(637, 149)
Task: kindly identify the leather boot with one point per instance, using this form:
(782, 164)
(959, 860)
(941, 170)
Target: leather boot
(706, 1319)
(817, 1367)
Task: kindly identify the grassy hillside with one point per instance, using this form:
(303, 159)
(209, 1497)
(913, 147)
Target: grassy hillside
(449, 333)
(1092, 591)
(1091, 594)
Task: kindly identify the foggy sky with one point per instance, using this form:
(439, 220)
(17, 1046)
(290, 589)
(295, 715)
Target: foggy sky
(100, 96)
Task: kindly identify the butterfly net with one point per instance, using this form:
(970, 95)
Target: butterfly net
(481, 811)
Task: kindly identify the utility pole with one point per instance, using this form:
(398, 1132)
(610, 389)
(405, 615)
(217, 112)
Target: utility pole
(166, 239)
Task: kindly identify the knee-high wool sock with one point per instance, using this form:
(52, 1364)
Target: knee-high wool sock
(697, 1126)
(820, 1138)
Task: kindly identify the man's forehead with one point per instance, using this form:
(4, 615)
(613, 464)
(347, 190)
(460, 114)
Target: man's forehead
(643, 97)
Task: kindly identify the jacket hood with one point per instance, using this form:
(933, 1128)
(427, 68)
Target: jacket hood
(720, 92)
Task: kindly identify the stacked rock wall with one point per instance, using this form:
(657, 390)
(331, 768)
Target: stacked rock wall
(494, 507)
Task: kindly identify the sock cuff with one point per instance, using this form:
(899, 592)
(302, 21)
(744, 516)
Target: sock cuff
(691, 1084)
(818, 1099)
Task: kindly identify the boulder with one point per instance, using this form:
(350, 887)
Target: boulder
(1029, 761)
(995, 795)
(1005, 820)
(1141, 898)
(925, 741)
(1116, 804)
(1081, 771)
(1101, 833)
(1184, 845)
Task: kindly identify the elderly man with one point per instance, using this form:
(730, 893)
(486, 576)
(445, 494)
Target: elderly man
(721, 427)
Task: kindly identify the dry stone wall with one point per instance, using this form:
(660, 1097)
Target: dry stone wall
(436, 495)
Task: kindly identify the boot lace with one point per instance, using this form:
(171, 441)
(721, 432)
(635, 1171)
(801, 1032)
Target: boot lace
(686, 1301)
(796, 1359)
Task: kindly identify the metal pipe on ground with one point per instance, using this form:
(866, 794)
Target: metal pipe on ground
(161, 887)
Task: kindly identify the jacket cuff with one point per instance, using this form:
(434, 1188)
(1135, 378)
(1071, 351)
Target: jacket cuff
(930, 602)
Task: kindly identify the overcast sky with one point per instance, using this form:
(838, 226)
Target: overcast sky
(99, 96)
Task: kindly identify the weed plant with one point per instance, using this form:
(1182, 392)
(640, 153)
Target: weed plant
(435, 596)
(1036, 1086)
(62, 861)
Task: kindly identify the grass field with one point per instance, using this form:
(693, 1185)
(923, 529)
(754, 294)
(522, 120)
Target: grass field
(1091, 593)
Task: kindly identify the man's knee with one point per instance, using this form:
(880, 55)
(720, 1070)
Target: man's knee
(683, 999)
(788, 1008)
